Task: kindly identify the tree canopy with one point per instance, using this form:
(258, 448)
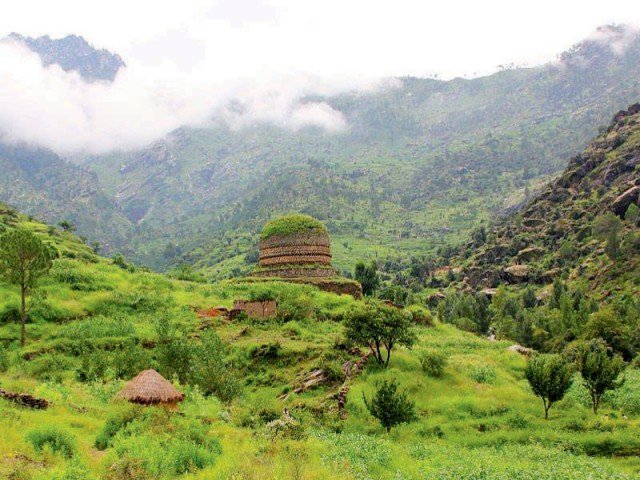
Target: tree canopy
(24, 259)
(378, 326)
(549, 377)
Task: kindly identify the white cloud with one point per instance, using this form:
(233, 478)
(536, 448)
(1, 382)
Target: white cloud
(194, 60)
(52, 108)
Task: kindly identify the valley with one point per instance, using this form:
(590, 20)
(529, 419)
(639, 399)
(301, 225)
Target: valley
(445, 287)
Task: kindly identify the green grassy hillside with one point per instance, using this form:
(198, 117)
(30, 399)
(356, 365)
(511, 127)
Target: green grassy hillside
(101, 323)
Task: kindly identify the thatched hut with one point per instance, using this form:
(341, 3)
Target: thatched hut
(150, 388)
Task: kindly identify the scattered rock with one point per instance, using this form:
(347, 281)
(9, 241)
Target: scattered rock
(533, 222)
(521, 350)
(621, 203)
(489, 292)
(530, 253)
(517, 273)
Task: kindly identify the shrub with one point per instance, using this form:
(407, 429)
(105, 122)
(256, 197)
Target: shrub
(627, 397)
(268, 351)
(58, 440)
(466, 324)
(98, 327)
(433, 363)
(50, 366)
(285, 427)
(292, 329)
(4, 359)
(483, 373)
(10, 314)
(211, 370)
(159, 456)
(389, 406)
(113, 425)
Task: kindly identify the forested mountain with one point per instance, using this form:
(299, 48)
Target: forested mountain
(418, 165)
(39, 182)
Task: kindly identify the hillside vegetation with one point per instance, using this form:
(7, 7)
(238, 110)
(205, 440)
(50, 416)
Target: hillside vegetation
(102, 321)
(419, 165)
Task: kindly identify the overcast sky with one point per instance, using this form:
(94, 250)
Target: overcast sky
(325, 37)
(191, 62)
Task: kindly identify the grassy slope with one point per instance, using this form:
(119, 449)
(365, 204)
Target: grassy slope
(466, 429)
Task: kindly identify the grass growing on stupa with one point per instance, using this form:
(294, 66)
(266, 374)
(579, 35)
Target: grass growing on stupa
(292, 224)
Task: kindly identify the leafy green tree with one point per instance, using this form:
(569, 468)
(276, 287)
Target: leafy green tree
(600, 369)
(67, 226)
(607, 228)
(632, 215)
(549, 377)
(379, 326)
(529, 299)
(608, 326)
(389, 406)
(368, 277)
(24, 259)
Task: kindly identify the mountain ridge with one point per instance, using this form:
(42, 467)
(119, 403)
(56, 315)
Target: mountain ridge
(73, 53)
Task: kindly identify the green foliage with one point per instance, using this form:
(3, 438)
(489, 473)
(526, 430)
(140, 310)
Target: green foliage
(377, 325)
(361, 453)
(114, 424)
(632, 215)
(549, 377)
(204, 364)
(119, 260)
(164, 456)
(60, 441)
(462, 308)
(483, 373)
(24, 259)
(599, 369)
(211, 370)
(292, 224)
(368, 277)
(433, 363)
(607, 325)
(389, 406)
(607, 227)
(4, 359)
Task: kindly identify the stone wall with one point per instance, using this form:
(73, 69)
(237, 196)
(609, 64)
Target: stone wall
(298, 254)
(296, 272)
(266, 309)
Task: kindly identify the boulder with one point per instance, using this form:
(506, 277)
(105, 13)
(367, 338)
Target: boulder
(533, 222)
(621, 203)
(530, 253)
(550, 275)
(489, 292)
(521, 350)
(517, 273)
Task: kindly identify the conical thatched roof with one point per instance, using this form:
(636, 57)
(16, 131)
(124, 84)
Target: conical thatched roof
(150, 387)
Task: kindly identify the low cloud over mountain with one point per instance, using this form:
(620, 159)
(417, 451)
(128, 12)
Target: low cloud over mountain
(49, 103)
